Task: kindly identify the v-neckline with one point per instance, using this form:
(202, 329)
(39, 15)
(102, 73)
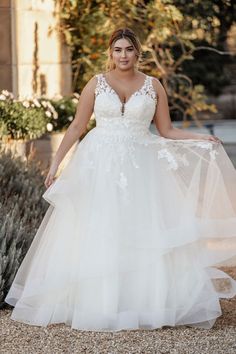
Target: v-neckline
(116, 94)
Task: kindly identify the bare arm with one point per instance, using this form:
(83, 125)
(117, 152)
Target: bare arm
(163, 122)
(76, 128)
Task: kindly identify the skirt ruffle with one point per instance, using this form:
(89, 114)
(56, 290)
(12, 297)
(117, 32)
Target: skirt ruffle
(132, 238)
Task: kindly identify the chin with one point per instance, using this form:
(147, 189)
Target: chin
(125, 67)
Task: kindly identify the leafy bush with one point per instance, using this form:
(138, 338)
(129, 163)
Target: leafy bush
(30, 118)
(21, 210)
(25, 119)
(65, 108)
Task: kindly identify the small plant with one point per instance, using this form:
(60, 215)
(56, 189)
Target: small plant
(21, 210)
(65, 108)
(26, 119)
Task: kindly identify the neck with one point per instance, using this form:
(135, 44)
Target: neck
(124, 74)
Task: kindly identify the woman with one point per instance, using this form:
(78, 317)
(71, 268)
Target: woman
(136, 221)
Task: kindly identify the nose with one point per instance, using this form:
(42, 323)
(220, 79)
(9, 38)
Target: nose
(123, 53)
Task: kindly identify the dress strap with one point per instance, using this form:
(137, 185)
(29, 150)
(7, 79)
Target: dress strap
(100, 84)
(149, 89)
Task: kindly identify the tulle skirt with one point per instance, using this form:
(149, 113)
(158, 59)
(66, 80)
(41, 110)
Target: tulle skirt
(132, 238)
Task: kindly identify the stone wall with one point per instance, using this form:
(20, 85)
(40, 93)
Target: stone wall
(5, 48)
(33, 57)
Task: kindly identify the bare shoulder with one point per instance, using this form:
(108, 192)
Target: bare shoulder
(157, 86)
(91, 84)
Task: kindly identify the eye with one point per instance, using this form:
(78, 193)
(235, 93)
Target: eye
(130, 49)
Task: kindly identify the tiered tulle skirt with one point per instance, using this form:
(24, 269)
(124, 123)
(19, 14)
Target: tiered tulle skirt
(133, 237)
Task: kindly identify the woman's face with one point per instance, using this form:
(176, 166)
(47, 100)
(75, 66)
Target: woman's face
(123, 54)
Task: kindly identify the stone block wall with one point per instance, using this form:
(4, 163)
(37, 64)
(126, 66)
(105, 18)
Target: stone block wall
(33, 56)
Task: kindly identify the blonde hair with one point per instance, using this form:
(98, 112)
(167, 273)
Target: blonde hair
(128, 34)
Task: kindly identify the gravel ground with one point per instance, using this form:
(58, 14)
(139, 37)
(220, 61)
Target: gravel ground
(18, 338)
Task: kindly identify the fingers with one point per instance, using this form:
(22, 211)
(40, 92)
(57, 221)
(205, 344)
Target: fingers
(49, 180)
(51, 175)
(214, 139)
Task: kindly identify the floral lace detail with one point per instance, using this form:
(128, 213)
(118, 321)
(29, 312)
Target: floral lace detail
(213, 154)
(123, 148)
(124, 135)
(118, 127)
(123, 145)
(101, 86)
(164, 153)
(188, 145)
(122, 182)
(146, 89)
(204, 145)
(174, 160)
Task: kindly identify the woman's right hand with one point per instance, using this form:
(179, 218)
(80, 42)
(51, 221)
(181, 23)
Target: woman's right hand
(51, 175)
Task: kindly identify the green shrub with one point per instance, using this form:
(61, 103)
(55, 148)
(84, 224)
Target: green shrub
(26, 119)
(65, 108)
(21, 211)
(30, 118)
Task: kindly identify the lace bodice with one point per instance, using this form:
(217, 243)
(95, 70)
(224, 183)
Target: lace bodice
(138, 111)
(123, 133)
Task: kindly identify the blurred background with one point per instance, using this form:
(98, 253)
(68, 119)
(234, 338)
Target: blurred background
(50, 49)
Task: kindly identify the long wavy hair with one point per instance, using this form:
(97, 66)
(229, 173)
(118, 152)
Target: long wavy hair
(128, 34)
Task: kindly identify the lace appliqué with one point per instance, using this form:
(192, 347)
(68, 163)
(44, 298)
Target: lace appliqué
(164, 153)
(101, 86)
(120, 152)
(175, 159)
(209, 146)
(147, 88)
(213, 154)
(122, 182)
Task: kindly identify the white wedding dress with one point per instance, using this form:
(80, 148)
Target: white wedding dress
(136, 228)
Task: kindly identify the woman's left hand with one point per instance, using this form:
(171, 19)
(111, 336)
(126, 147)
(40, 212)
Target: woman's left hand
(213, 138)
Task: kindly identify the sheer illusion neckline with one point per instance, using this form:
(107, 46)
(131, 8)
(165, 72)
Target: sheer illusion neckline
(117, 95)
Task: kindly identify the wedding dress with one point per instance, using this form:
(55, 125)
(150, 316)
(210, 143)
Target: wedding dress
(136, 228)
